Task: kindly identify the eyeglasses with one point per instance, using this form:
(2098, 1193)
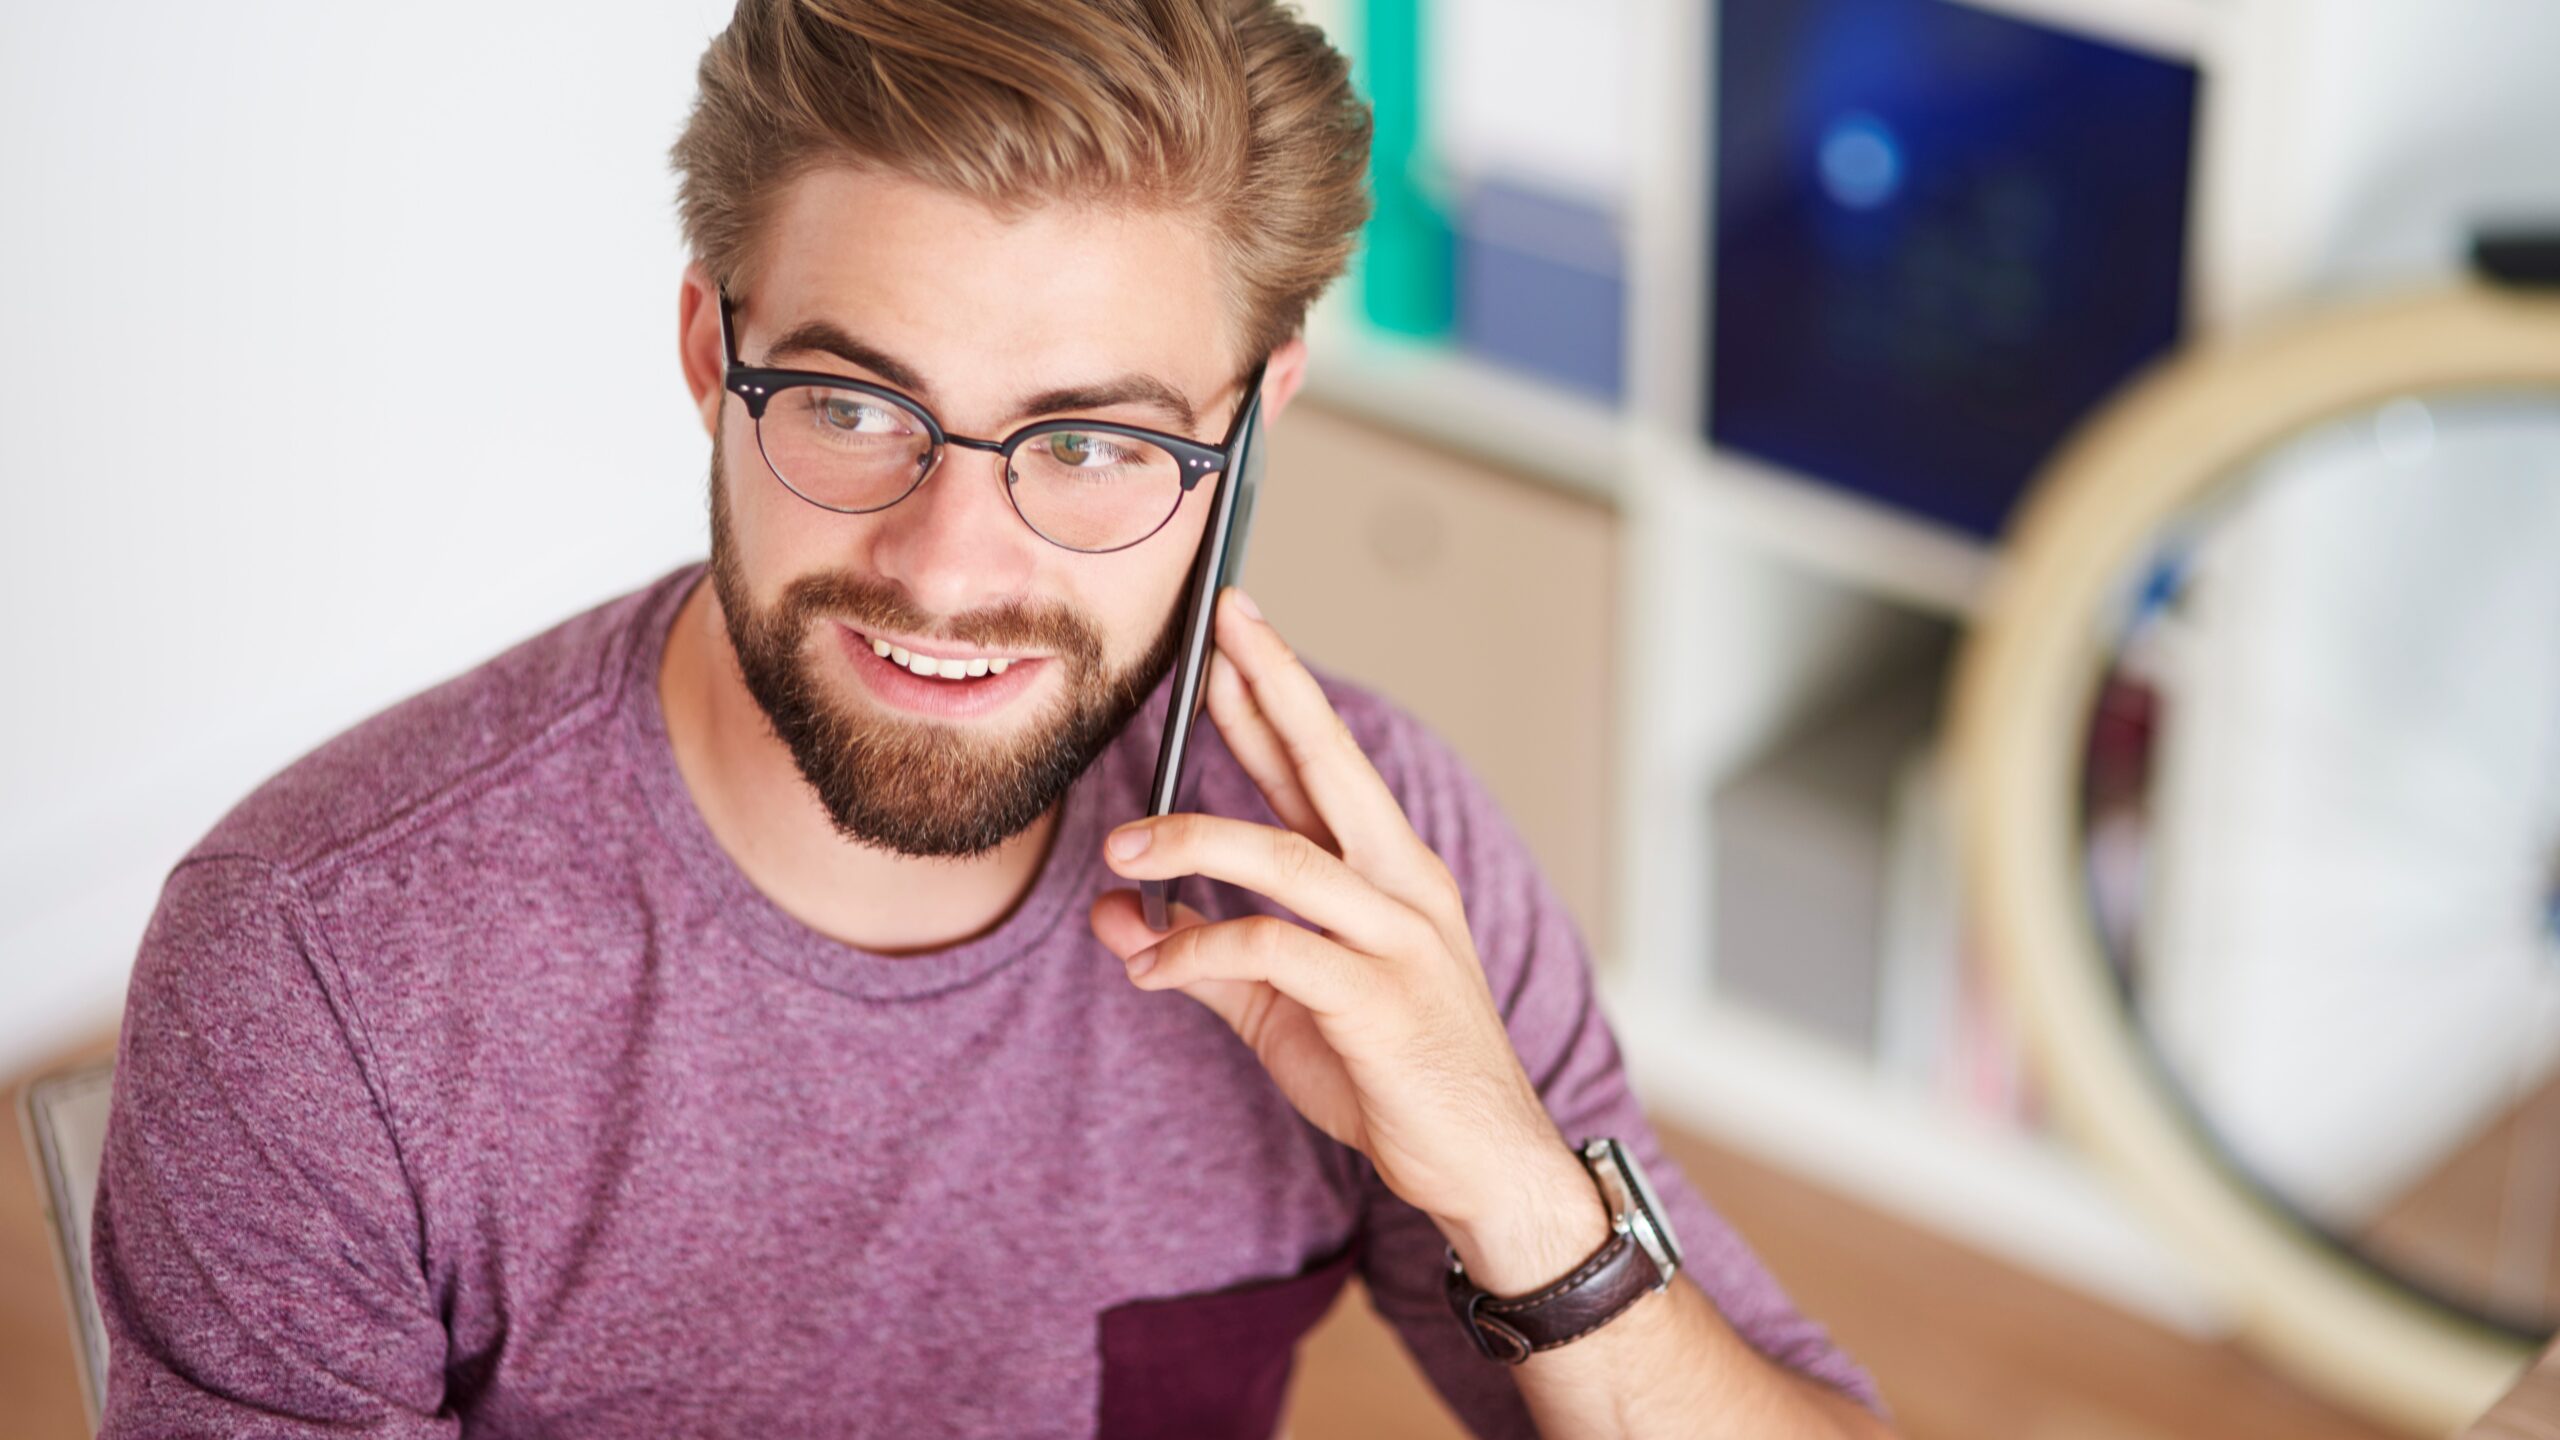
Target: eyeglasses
(854, 447)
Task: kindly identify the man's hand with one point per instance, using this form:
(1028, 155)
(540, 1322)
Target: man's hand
(1379, 1026)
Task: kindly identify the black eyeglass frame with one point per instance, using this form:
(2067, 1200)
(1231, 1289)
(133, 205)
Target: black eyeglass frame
(757, 385)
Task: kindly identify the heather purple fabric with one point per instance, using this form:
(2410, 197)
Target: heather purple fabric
(467, 1087)
(1194, 1366)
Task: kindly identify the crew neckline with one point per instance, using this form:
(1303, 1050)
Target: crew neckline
(775, 933)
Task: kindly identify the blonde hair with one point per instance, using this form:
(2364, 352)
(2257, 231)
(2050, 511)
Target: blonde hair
(1235, 114)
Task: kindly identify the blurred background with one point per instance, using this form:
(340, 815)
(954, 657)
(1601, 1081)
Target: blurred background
(1665, 450)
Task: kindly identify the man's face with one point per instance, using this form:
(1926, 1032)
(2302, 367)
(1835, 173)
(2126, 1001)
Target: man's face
(979, 314)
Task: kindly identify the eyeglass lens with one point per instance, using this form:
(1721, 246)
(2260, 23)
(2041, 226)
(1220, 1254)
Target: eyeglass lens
(851, 450)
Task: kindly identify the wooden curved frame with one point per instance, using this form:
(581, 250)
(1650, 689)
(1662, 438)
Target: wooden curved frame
(2019, 713)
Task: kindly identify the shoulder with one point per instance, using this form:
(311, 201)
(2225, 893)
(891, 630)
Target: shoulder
(415, 761)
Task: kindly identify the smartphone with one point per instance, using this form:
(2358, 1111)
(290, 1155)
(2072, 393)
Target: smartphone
(1220, 561)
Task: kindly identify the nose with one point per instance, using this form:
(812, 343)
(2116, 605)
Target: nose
(955, 542)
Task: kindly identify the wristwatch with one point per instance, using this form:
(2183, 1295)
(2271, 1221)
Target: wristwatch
(1640, 1256)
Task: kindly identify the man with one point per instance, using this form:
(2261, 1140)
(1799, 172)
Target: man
(718, 1015)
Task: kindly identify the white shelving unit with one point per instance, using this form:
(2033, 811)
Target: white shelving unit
(1762, 638)
(1590, 449)
(1750, 598)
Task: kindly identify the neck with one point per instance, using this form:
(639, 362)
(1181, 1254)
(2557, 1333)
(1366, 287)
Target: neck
(764, 814)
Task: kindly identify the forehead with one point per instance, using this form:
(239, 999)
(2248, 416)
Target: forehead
(984, 303)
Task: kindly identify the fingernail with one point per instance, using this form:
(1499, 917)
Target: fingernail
(1142, 962)
(1128, 841)
(1244, 603)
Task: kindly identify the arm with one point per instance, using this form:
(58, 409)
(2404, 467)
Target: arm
(257, 1249)
(1721, 1350)
(1670, 1365)
(1384, 1029)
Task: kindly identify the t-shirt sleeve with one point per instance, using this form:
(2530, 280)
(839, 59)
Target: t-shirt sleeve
(1540, 972)
(257, 1251)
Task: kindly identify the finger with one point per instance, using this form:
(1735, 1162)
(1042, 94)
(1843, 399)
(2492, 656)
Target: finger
(1121, 924)
(1326, 757)
(1325, 977)
(1257, 748)
(1281, 1030)
(1283, 865)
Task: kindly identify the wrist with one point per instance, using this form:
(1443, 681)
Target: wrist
(1551, 1218)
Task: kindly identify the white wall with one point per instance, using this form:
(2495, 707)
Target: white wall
(340, 355)
(2356, 142)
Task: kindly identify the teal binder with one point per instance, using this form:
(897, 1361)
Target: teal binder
(1407, 258)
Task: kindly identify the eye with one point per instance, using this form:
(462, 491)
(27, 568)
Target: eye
(1081, 449)
(855, 416)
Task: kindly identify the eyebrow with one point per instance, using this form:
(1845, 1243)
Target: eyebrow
(1133, 388)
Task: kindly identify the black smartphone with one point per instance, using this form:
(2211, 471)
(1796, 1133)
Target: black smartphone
(1220, 561)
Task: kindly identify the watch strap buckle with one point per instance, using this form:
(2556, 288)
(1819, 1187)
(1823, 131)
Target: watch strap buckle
(1494, 1339)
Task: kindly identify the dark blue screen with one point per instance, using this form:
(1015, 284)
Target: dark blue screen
(1941, 236)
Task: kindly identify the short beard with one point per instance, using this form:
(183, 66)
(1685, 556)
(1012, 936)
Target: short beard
(909, 785)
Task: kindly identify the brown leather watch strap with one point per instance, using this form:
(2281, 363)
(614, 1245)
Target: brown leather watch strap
(1512, 1328)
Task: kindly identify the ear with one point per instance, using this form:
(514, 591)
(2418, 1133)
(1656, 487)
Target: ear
(1282, 377)
(698, 344)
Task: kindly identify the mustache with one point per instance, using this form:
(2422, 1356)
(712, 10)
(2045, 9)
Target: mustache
(869, 606)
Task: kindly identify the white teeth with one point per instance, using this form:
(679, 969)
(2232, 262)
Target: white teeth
(927, 665)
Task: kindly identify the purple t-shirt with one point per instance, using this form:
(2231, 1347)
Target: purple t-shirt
(468, 1087)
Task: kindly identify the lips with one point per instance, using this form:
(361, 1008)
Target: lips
(900, 687)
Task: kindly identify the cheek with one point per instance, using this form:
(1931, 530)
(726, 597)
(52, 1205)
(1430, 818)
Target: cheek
(774, 534)
(1145, 592)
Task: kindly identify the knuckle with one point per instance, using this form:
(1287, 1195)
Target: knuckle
(1420, 934)
(1443, 880)
(1302, 754)
(1293, 856)
(1440, 897)
(1266, 941)
(1344, 737)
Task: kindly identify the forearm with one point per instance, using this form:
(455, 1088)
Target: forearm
(1668, 1366)
(1671, 1366)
